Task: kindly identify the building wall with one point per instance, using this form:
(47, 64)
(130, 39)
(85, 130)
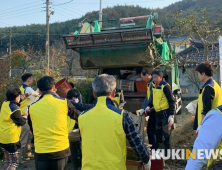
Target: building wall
(179, 46)
(191, 90)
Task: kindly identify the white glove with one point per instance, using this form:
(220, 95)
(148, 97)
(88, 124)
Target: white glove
(141, 112)
(198, 129)
(147, 109)
(171, 120)
(74, 131)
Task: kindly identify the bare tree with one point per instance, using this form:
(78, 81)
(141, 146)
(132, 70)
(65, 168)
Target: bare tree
(193, 78)
(199, 27)
(63, 58)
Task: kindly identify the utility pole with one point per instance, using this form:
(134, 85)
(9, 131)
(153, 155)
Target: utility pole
(100, 14)
(47, 35)
(9, 52)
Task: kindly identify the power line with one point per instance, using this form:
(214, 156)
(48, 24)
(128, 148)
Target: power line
(70, 15)
(70, 10)
(22, 9)
(62, 14)
(15, 43)
(20, 12)
(18, 7)
(5, 23)
(64, 3)
(21, 15)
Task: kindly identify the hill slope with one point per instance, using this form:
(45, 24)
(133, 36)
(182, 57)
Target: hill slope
(34, 34)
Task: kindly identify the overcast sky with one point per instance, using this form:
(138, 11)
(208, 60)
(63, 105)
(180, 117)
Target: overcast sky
(26, 12)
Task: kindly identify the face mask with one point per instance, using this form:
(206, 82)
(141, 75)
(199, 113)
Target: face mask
(76, 100)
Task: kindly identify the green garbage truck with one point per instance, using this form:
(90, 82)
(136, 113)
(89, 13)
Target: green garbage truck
(123, 51)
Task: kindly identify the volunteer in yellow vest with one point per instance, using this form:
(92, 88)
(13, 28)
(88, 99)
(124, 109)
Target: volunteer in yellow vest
(163, 102)
(209, 138)
(76, 156)
(210, 95)
(26, 135)
(104, 130)
(48, 121)
(11, 121)
(119, 98)
(151, 125)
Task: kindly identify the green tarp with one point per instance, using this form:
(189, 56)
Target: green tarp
(96, 27)
(165, 52)
(76, 32)
(166, 56)
(148, 24)
(176, 73)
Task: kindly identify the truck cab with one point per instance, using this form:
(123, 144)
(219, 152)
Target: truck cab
(124, 51)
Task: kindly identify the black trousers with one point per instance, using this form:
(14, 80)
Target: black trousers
(76, 155)
(53, 164)
(151, 129)
(162, 129)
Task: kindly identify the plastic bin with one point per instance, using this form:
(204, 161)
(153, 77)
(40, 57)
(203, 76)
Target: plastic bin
(141, 86)
(125, 85)
(63, 87)
(157, 164)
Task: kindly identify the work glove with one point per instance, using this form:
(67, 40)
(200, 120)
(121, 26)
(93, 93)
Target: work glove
(74, 131)
(198, 129)
(147, 110)
(141, 112)
(171, 120)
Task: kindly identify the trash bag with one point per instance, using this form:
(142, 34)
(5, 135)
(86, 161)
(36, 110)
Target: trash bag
(192, 107)
(140, 124)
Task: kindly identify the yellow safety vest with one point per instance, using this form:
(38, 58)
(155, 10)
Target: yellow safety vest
(103, 137)
(70, 124)
(160, 101)
(49, 121)
(116, 99)
(9, 131)
(217, 99)
(25, 102)
(219, 147)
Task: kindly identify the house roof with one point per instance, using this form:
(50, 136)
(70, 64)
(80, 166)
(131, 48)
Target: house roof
(4, 57)
(178, 39)
(194, 54)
